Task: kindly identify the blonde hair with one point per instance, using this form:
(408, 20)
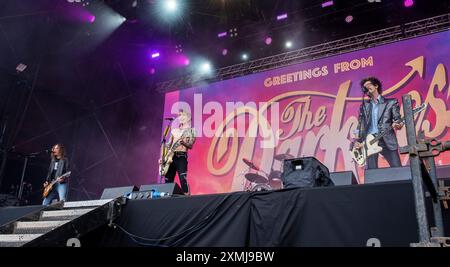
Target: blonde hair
(187, 114)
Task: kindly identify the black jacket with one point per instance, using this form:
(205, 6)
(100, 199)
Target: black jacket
(388, 112)
(63, 167)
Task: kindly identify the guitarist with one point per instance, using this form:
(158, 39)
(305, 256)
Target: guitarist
(376, 115)
(185, 135)
(59, 164)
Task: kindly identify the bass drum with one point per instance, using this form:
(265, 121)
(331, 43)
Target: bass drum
(276, 183)
(261, 187)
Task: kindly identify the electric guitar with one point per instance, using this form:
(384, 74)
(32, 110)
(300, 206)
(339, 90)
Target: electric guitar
(167, 155)
(49, 187)
(370, 145)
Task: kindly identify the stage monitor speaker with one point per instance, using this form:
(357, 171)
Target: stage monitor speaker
(387, 174)
(171, 188)
(343, 178)
(305, 172)
(443, 172)
(114, 192)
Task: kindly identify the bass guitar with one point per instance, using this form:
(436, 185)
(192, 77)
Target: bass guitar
(370, 145)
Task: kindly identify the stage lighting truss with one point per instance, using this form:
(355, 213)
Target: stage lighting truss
(370, 39)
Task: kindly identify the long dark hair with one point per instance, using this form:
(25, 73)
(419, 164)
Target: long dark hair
(374, 81)
(61, 149)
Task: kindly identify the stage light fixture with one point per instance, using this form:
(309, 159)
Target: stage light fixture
(224, 52)
(288, 44)
(233, 32)
(408, 3)
(282, 16)
(222, 34)
(178, 48)
(205, 68)
(268, 40)
(171, 5)
(349, 18)
(21, 67)
(244, 56)
(327, 4)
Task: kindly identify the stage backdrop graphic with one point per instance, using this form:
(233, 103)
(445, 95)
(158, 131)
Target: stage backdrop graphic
(317, 102)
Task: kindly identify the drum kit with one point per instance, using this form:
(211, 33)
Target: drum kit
(266, 181)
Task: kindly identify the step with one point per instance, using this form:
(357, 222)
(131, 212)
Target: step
(63, 214)
(37, 226)
(16, 240)
(88, 203)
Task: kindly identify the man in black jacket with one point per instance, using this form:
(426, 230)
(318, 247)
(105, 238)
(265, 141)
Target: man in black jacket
(58, 166)
(375, 116)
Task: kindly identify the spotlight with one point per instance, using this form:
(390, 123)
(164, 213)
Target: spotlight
(233, 32)
(408, 3)
(155, 55)
(268, 40)
(224, 52)
(282, 16)
(171, 5)
(178, 48)
(327, 3)
(349, 18)
(244, 56)
(222, 34)
(92, 19)
(21, 67)
(288, 44)
(205, 68)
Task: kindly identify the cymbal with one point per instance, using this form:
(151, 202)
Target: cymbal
(250, 164)
(283, 156)
(255, 178)
(274, 174)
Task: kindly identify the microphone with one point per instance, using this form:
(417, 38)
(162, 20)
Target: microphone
(169, 118)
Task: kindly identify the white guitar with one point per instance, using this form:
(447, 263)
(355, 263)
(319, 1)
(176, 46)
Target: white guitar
(370, 145)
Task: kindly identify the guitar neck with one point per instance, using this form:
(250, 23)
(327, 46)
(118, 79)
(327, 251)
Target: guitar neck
(381, 135)
(402, 119)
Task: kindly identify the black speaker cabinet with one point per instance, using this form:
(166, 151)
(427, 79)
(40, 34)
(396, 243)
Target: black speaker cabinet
(343, 178)
(387, 174)
(443, 172)
(305, 172)
(114, 192)
(171, 188)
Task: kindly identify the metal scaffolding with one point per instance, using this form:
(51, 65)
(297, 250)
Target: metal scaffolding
(370, 39)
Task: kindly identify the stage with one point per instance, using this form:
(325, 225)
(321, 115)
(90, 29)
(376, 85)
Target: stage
(341, 216)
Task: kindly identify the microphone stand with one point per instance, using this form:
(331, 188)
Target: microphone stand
(25, 164)
(366, 123)
(163, 143)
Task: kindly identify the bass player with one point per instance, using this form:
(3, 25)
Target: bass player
(376, 115)
(182, 139)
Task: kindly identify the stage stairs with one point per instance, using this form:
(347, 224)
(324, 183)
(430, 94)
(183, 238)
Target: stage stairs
(60, 224)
